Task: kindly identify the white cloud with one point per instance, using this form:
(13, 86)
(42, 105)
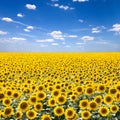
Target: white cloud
(115, 28)
(57, 35)
(20, 15)
(80, 0)
(30, 27)
(102, 42)
(96, 30)
(3, 32)
(16, 39)
(7, 19)
(45, 40)
(64, 7)
(54, 44)
(72, 36)
(67, 46)
(80, 43)
(87, 38)
(30, 6)
(80, 20)
(26, 30)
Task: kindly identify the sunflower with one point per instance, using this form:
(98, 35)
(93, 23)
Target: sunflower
(101, 88)
(55, 93)
(9, 93)
(2, 96)
(98, 99)
(108, 99)
(93, 105)
(41, 95)
(83, 104)
(41, 87)
(46, 117)
(114, 108)
(73, 97)
(79, 89)
(69, 113)
(59, 111)
(104, 111)
(89, 91)
(23, 106)
(85, 115)
(7, 101)
(51, 102)
(112, 91)
(61, 99)
(18, 115)
(16, 95)
(8, 111)
(32, 100)
(38, 106)
(31, 114)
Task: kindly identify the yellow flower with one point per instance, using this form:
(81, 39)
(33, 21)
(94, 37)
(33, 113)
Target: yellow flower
(23, 106)
(16, 95)
(38, 106)
(46, 117)
(104, 111)
(98, 99)
(89, 91)
(55, 93)
(79, 89)
(73, 97)
(108, 99)
(18, 115)
(69, 113)
(7, 101)
(59, 111)
(31, 114)
(32, 100)
(41, 95)
(83, 104)
(101, 88)
(51, 102)
(93, 105)
(114, 108)
(61, 99)
(8, 111)
(85, 115)
(1, 95)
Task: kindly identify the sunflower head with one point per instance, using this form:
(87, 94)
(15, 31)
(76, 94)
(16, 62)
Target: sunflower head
(69, 113)
(59, 111)
(8, 111)
(61, 99)
(18, 115)
(51, 102)
(108, 99)
(23, 106)
(83, 104)
(46, 117)
(41, 95)
(104, 111)
(31, 114)
(38, 106)
(114, 108)
(85, 115)
(93, 105)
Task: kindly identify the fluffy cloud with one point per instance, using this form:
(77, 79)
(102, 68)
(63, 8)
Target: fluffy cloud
(115, 28)
(64, 7)
(57, 35)
(45, 40)
(96, 30)
(30, 27)
(67, 46)
(20, 15)
(26, 30)
(80, 43)
(80, 0)
(7, 19)
(3, 32)
(16, 39)
(54, 44)
(87, 38)
(80, 20)
(30, 6)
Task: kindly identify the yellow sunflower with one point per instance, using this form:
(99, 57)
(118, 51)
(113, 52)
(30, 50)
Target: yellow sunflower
(38, 106)
(8, 111)
(31, 114)
(114, 108)
(85, 115)
(104, 111)
(51, 102)
(59, 111)
(46, 117)
(69, 113)
(93, 105)
(108, 99)
(83, 104)
(18, 115)
(23, 106)
(7, 101)
(61, 99)
(41, 95)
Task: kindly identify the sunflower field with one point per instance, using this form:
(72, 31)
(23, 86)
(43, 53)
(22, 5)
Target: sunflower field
(60, 86)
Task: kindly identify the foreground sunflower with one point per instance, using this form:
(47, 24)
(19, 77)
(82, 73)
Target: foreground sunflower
(7, 101)
(114, 108)
(85, 115)
(51, 102)
(38, 106)
(18, 115)
(93, 105)
(69, 113)
(104, 111)
(46, 117)
(108, 99)
(31, 114)
(41, 95)
(61, 99)
(8, 111)
(59, 111)
(83, 104)
(23, 106)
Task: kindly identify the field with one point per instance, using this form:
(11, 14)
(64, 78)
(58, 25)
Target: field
(60, 86)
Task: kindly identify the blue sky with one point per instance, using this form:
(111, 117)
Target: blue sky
(60, 25)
